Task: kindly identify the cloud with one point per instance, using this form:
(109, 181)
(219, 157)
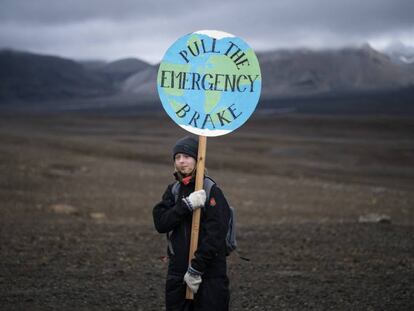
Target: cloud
(106, 29)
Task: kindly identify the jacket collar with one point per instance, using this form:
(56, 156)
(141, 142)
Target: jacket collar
(184, 180)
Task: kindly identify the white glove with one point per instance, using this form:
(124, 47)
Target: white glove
(195, 200)
(193, 281)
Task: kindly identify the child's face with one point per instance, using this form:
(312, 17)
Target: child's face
(184, 163)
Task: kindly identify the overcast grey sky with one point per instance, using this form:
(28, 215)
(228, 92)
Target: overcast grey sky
(113, 29)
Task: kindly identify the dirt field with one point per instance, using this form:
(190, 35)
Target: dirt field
(77, 193)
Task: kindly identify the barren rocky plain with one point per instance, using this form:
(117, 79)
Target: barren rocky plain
(325, 211)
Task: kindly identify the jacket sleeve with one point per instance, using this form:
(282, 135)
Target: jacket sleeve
(215, 226)
(168, 214)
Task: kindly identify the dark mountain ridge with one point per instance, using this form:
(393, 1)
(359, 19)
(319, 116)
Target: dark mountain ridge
(28, 76)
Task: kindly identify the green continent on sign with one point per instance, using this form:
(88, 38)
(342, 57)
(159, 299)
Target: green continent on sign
(211, 101)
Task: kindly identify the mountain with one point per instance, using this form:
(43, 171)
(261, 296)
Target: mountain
(27, 76)
(92, 64)
(300, 73)
(286, 74)
(119, 70)
(308, 73)
(142, 83)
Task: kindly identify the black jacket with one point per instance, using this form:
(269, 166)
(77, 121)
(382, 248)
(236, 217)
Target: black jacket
(176, 218)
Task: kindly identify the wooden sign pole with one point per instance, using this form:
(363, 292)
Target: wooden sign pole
(195, 227)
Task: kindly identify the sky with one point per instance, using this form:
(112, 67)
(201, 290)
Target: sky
(114, 29)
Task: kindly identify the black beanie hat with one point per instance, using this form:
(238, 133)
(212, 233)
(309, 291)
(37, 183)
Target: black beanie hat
(187, 145)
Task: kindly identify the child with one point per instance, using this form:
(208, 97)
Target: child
(207, 274)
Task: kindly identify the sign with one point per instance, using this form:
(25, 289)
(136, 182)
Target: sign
(209, 82)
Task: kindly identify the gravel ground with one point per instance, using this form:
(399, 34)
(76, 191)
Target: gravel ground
(77, 193)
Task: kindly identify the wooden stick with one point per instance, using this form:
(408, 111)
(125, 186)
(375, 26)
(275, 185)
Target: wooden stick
(195, 227)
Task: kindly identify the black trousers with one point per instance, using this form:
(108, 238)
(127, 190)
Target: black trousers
(213, 294)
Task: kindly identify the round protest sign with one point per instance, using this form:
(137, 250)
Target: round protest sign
(209, 82)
